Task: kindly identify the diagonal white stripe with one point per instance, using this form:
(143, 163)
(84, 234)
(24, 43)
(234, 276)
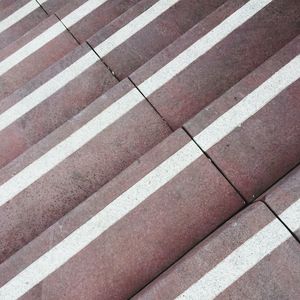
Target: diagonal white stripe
(112, 213)
(202, 46)
(34, 45)
(134, 26)
(244, 257)
(46, 90)
(251, 104)
(18, 15)
(67, 147)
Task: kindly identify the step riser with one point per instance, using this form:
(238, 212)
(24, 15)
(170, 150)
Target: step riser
(49, 100)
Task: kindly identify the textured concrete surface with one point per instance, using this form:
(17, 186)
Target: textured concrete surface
(50, 99)
(284, 194)
(166, 21)
(73, 162)
(85, 17)
(229, 265)
(192, 83)
(23, 59)
(251, 132)
(151, 232)
(100, 198)
(19, 18)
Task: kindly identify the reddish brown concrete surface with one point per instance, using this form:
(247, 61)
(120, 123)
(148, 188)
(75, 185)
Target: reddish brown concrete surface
(276, 276)
(95, 20)
(53, 6)
(80, 174)
(145, 241)
(21, 27)
(5, 3)
(266, 146)
(57, 108)
(101, 199)
(164, 30)
(38, 61)
(237, 55)
(283, 195)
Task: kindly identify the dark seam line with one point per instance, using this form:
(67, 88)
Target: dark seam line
(67, 29)
(151, 105)
(217, 167)
(276, 181)
(107, 67)
(277, 217)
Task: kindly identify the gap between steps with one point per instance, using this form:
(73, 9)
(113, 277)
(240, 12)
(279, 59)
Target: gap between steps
(109, 69)
(42, 7)
(151, 104)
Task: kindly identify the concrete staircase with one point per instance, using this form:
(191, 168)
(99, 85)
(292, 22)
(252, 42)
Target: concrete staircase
(149, 149)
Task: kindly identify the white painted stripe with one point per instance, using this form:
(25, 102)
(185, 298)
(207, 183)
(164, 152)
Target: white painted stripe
(88, 232)
(42, 1)
(81, 12)
(67, 147)
(244, 257)
(47, 89)
(291, 216)
(251, 104)
(48, 35)
(203, 45)
(134, 26)
(18, 15)
(25, 51)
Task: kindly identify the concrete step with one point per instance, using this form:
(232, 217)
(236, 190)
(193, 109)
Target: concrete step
(19, 18)
(128, 42)
(253, 256)
(50, 99)
(252, 131)
(73, 162)
(215, 54)
(130, 230)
